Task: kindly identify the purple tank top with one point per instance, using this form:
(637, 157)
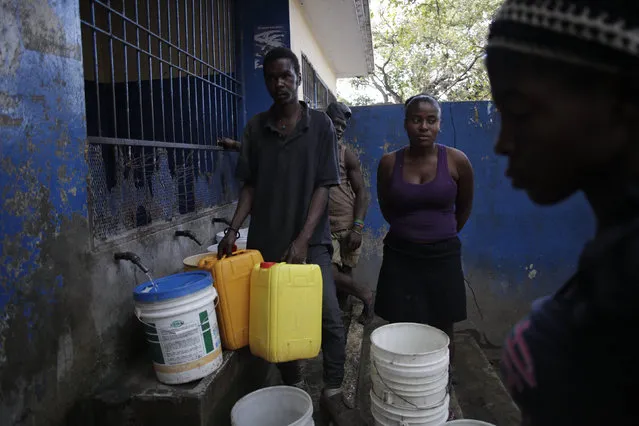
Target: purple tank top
(423, 212)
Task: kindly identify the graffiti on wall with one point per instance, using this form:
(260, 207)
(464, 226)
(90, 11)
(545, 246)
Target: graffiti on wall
(265, 39)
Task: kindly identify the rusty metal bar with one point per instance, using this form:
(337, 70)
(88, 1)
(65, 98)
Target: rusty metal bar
(96, 69)
(115, 110)
(148, 23)
(177, 47)
(126, 77)
(94, 140)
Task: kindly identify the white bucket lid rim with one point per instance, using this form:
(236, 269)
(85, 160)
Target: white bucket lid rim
(172, 287)
(270, 389)
(387, 327)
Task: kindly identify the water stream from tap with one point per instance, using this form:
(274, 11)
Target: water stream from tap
(155, 287)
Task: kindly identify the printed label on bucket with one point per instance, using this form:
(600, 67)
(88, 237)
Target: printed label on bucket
(185, 339)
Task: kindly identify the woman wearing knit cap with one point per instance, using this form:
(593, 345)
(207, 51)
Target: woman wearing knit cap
(565, 78)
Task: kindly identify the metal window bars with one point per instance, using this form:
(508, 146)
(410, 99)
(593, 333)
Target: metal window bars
(315, 92)
(161, 86)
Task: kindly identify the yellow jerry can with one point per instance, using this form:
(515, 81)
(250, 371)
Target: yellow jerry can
(286, 311)
(231, 278)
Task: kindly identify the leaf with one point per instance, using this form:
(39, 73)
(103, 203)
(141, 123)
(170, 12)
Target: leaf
(429, 45)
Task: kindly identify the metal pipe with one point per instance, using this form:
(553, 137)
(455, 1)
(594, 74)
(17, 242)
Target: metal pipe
(148, 23)
(221, 220)
(95, 70)
(115, 109)
(188, 79)
(139, 50)
(153, 144)
(188, 234)
(131, 257)
(126, 76)
(116, 38)
(147, 30)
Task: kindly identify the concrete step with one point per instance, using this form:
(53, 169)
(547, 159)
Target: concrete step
(138, 399)
(481, 394)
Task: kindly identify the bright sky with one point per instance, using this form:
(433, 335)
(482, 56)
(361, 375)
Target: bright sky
(344, 88)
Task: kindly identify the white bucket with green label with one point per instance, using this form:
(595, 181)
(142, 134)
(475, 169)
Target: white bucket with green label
(178, 313)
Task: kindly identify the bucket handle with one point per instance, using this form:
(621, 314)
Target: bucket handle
(389, 393)
(137, 315)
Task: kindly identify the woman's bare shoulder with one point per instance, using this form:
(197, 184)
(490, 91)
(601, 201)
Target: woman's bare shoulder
(388, 159)
(457, 156)
(386, 163)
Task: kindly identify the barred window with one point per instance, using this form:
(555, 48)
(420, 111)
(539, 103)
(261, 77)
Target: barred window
(316, 93)
(161, 87)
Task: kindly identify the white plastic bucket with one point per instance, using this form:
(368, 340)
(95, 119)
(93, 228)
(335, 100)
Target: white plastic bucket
(178, 313)
(426, 395)
(274, 406)
(416, 374)
(389, 415)
(409, 366)
(468, 422)
(409, 344)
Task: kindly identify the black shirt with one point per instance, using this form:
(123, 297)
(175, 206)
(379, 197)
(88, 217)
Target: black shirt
(572, 360)
(285, 171)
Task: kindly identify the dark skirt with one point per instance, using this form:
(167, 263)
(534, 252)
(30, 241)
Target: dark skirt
(422, 283)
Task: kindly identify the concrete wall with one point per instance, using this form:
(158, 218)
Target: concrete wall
(513, 251)
(66, 319)
(304, 42)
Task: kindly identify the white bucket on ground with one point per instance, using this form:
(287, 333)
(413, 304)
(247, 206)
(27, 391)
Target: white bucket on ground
(274, 406)
(468, 422)
(388, 415)
(414, 374)
(409, 369)
(409, 344)
(425, 395)
(178, 313)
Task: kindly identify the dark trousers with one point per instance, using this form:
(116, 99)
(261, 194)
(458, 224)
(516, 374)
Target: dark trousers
(333, 337)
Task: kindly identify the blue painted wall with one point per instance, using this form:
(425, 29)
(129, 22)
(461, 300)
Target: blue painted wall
(513, 251)
(271, 20)
(43, 181)
(66, 311)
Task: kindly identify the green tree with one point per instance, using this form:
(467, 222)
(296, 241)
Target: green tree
(430, 46)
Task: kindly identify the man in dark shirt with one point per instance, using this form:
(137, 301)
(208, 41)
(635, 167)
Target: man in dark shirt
(288, 162)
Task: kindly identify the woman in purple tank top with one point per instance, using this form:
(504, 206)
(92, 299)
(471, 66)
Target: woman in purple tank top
(425, 192)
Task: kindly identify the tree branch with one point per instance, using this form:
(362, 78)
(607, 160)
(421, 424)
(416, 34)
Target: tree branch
(385, 80)
(463, 75)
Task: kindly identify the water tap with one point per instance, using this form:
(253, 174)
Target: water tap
(133, 258)
(188, 234)
(221, 220)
